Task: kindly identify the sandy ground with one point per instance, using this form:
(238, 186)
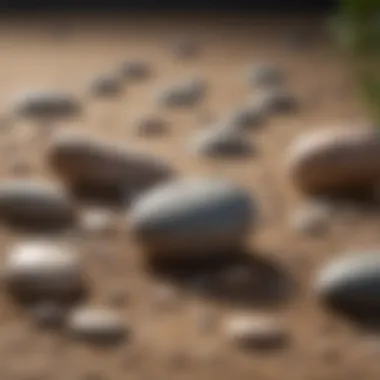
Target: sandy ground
(169, 342)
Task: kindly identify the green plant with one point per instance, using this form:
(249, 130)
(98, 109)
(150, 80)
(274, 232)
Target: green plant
(357, 27)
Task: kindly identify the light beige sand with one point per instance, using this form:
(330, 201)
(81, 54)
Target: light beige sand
(324, 347)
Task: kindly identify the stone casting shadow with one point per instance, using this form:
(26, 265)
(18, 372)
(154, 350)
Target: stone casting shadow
(240, 279)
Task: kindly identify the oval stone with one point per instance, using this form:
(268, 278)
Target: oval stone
(256, 332)
(193, 218)
(84, 161)
(221, 142)
(43, 269)
(351, 282)
(106, 86)
(35, 202)
(335, 160)
(135, 70)
(96, 325)
(48, 104)
(184, 94)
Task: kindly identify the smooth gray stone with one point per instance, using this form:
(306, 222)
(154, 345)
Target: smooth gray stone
(221, 142)
(198, 217)
(96, 325)
(135, 70)
(265, 75)
(106, 86)
(275, 101)
(351, 282)
(48, 104)
(43, 269)
(81, 160)
(247, 117)
(32, 201)
(187, 93)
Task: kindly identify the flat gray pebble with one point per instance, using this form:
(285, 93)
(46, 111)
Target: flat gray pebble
(135, 70)
(221, 142)
(106, 86)
(187, 93)
(186, 49)
(48, 104)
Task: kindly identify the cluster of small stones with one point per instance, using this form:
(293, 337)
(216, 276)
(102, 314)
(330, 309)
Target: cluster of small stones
(174, 218)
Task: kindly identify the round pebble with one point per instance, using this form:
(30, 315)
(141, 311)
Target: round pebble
(274, 101)
(256, 332)
(196, 218)
(135, 70)
(340, 159)
(106, 86)
(43, 269)
(97, 325)
(35, 203)
(48, 104)
(248, 117)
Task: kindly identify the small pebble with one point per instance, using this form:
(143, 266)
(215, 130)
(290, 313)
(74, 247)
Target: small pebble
(135, 70)
(248, 117)
(265, 75)
(97, 325)
(256, 332)
(187, 93)
(275, 101)
(48, 104)
(151, 125)
(106, 86)
(221, 142)
(43, 269)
